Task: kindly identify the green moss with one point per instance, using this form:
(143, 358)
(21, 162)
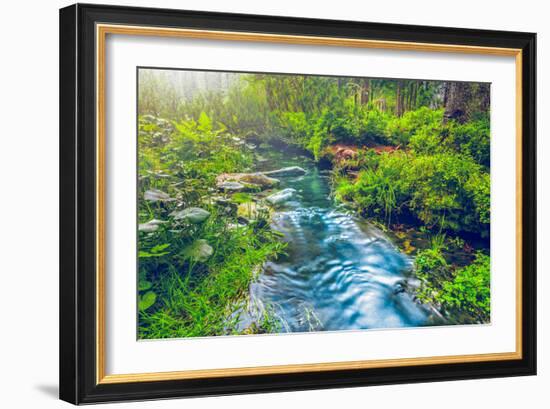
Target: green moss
(443, 191)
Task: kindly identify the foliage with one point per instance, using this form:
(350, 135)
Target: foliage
(400, 130)
(473, 138)
(374, 191)
(443, 190)
(374, 126)
(192, 275)
(458, 291)
(470, 289)
(147, 300)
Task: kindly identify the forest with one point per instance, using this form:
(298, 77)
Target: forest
(250, 184)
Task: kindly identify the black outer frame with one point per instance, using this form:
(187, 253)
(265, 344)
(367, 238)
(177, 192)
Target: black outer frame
(78, 209)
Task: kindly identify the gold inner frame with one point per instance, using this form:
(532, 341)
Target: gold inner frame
(101, 33)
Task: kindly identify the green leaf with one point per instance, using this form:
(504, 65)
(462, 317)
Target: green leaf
(158, 248)
(155, 251)
(144, 285)
(147, 300)
(205, 123)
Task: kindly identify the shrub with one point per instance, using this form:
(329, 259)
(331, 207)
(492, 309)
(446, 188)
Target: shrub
(374, 126)
(400, 130)
(378, 191)
(444, 190)
(463, 291)
(430, 267)
(470, 289)
(427, 142)
(295, 126)
(473, 138)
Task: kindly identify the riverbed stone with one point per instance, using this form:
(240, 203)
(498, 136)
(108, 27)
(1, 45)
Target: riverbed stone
(414, 283)
(288, 171)
(150, 226)
(154, 195)
(192, 215)
(248, 181)
(231, 186)
(281, 197)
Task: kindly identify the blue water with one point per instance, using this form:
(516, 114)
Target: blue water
(340, 272)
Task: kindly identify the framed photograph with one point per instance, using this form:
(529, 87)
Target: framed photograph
(257, 203)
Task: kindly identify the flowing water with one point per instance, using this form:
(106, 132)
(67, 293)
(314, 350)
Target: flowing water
(340, 272)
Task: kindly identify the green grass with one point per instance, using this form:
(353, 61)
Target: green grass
(194, 304)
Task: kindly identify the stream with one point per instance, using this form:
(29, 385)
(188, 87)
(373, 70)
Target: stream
(339, 273)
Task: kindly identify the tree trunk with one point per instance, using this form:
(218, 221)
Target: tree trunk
(365, 92)
(464, 100)
(456, 101)
(399, 98)
(340, 84)
(414, 95)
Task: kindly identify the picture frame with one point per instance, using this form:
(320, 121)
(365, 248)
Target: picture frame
(83, 180)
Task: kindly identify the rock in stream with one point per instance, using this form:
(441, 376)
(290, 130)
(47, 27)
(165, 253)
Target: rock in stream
(245, 181)
(281, 197)
(288, 171)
